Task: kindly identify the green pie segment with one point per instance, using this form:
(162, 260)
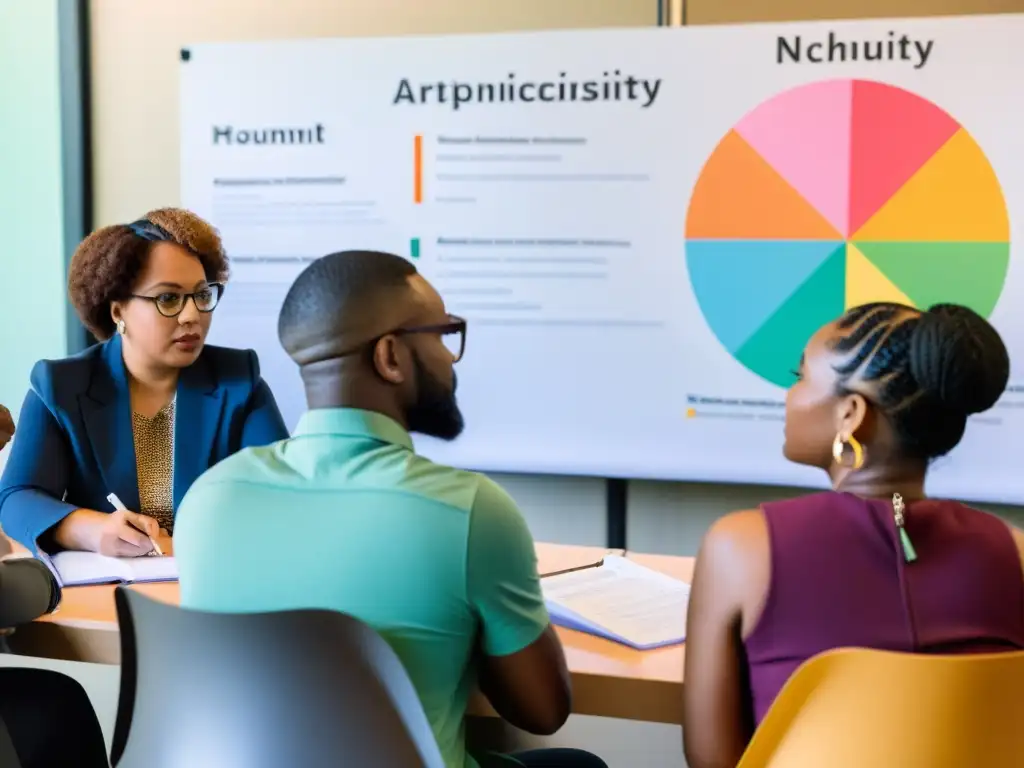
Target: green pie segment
(764, 300)
(773, 351)
(971, 274)
(740, 283)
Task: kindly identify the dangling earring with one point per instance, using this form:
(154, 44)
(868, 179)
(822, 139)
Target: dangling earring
(839, 449)
(120, 327)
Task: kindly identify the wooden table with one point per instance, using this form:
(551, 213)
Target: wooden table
(609, 680)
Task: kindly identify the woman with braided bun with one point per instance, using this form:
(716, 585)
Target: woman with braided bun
(873, 563)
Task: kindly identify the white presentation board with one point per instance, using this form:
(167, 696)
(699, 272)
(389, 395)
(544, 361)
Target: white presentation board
(642, 227)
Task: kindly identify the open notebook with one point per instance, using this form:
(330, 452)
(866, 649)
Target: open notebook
(80, 568)
(621, 601)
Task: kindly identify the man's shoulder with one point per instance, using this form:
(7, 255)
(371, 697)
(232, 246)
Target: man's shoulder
(247, 466)
(490, 507)
(441, 483)
(492, 498)
(474, 491)
(406, 474)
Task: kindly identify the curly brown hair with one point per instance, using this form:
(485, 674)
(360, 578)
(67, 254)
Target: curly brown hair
(107, 263)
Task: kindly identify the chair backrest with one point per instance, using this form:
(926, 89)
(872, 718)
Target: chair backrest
(8, 754)
(305, 688)
(856, 707)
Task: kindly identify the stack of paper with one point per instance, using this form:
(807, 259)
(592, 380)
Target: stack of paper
(621, 601)
(80, 568)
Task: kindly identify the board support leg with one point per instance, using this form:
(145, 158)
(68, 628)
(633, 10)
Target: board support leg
(615, 512)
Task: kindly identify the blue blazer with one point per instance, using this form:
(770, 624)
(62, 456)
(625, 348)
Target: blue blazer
(75, 444)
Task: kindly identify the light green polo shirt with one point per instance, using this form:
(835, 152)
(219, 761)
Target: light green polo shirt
(345, 516)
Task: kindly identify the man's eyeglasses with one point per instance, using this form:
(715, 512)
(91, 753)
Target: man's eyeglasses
(172, 303)
(452, 333)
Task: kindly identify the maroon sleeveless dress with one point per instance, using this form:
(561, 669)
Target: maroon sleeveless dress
(839, 579)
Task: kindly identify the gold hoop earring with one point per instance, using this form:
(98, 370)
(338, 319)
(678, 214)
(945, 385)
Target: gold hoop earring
(120, 327)
(839, 450)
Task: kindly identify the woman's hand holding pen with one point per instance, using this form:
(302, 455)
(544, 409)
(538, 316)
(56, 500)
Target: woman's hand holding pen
(127, 534)
(121, 533)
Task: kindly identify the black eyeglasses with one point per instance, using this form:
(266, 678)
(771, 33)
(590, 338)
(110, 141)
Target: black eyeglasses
(452, 333)
(172, 303)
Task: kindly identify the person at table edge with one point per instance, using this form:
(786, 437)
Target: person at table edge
(438, 560)
(879, 394)
(143, 413)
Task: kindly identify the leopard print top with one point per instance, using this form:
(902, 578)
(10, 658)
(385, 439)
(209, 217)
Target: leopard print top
(154, 460)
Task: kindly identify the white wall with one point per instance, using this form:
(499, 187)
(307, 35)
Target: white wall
(32, 312)
(729, 11)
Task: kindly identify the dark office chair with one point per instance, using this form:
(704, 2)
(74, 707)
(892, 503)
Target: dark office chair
(8, 754)
(267, 690)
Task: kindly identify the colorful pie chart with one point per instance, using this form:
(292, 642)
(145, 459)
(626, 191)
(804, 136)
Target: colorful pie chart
(836, 194)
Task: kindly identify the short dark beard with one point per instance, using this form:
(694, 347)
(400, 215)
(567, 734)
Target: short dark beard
(435, 412)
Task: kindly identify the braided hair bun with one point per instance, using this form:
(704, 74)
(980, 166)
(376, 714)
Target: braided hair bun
(958, 359)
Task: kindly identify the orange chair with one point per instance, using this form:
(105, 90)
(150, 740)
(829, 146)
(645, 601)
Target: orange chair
(858, 708)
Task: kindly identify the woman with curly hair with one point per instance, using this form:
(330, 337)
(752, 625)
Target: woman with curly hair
(142, 414)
